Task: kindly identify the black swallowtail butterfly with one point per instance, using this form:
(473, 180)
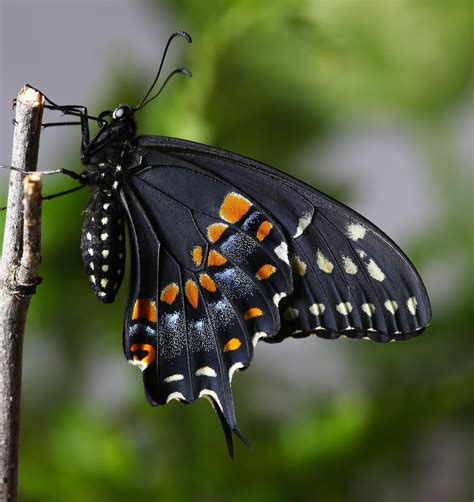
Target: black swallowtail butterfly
(226, 251)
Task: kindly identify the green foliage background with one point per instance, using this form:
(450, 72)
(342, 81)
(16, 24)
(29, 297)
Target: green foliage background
(271, 78)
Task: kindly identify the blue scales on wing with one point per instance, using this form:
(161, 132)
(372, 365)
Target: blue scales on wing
(209, 266)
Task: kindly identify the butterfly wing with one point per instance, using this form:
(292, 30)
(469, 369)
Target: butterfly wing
(349, 277)
(208, 264)
(218, 240)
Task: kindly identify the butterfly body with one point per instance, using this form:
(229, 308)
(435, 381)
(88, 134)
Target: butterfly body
(226, 251)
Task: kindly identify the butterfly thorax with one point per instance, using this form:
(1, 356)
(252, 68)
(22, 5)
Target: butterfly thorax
(110, 142)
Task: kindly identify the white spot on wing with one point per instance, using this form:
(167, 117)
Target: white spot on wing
(210, 395)
(104, 282)
(317, 309)
(368, 308)
(90, 251)
(391, 306)
(139, 364)
(374, 271)
(235, 367)
(411, 304)
(356, 231)
(92, 278)
(257, 336)
(105, 253)
(344, 308)
(206, 371)
(282, 252)
(175, 395)
(89, 236)
(303, 223)
(104, 236)
(174, 378)
(323, 263)
(104, 221)
(278, 297)
(105, 268)
(349, 266)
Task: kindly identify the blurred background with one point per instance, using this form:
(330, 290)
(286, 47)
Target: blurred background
(370, 101)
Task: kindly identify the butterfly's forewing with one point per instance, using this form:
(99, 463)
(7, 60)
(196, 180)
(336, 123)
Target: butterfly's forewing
(349, 277)
(218, 240)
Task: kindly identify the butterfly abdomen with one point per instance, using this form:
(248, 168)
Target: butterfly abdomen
(103, 245)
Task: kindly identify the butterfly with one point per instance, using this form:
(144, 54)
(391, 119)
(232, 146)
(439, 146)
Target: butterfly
(225, 252)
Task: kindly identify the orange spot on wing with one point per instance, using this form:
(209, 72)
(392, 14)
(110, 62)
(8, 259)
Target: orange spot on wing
(197, 255)
(263, 230)
(265, 272)
(144, 309)
(232, 344)
(207, 283)
(143, 347)
(191, 292)
(215, 259)
(215, 231)
(234, 207)
(253, 312)
(169, 293)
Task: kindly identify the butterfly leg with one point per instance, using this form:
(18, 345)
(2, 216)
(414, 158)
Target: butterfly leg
(67, 172)
(58, 124)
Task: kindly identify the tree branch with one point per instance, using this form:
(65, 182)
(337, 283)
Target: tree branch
(18, 278)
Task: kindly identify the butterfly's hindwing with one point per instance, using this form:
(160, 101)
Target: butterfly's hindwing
(221, 263)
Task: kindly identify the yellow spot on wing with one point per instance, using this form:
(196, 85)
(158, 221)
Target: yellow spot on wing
(197, 255)
(207, 283)
(191, 292)
(234, 207)
(265, 272)
(263, 230)
(253, 312)
(143, 347)
(144, 309)
(169, 293)
(298, 265)
(215, 259)
(323, 263)
(232, 344)
(215, 231)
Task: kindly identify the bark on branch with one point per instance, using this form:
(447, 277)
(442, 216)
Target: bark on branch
(18, 278)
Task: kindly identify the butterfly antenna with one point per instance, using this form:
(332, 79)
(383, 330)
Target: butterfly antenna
(182, 71)
(188, 39)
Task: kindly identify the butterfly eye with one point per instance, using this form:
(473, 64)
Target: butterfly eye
(123, 111)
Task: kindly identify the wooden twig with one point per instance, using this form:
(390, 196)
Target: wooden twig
(18, 278)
